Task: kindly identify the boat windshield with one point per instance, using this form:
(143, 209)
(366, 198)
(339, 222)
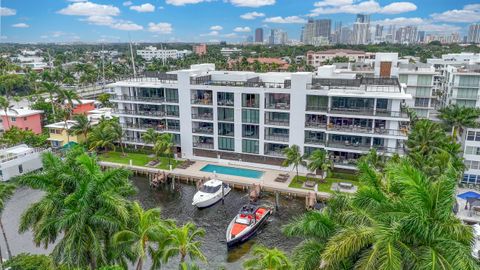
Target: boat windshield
(209, 189)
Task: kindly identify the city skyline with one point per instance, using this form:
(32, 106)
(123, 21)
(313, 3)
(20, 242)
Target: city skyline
(171, 20)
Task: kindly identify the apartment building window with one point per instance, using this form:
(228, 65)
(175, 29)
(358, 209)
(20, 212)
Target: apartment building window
(468, 93)
(14, 119)
(250, 116)
(250, 131)
(203, 97)
(225, 99)
(225, 114)
(382, 104)
(472, 164)
(423, 92)
(421, 102)
(317, 103)
(250, 146)
(424, 80)
(472, 81)
(473, 136)
(171, 95)
(226, 129)
(277, 118)
(466, 103)
(277, 101)
(251, 100)
(172, 110)
(226, 144)
(471, 178)
(471, 150)
(421, 112)
(403, 78)
(308, 150)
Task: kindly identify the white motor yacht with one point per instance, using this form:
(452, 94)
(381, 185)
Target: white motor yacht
(210, 193)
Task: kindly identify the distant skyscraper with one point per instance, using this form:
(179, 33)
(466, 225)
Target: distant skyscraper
(250, 39)
(378, 30)
(361, 29)
(421, 36)
(259, 35)
(315, 29)
(337, 32)
(474, 33)
(346, 35)
(277, 37)
(406, 35)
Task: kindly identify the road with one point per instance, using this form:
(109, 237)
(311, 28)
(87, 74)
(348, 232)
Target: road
(14, 208)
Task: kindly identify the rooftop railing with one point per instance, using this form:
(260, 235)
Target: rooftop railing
(9, 157)
(137, 98)
(207, 80)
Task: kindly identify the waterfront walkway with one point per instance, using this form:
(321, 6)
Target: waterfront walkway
(194, 173)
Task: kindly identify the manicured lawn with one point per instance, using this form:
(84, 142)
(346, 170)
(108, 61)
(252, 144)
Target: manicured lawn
(297, 182)
(137, 159)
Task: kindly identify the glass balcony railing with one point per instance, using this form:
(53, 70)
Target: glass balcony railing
(137, 98)
(139, 112)
(202, 116)
(276, 137)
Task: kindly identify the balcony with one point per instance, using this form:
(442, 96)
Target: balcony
(272, 149)
(277, 101)
(312, 108)
(277, 122)
(139, 113)
(202, 101)
(138, 99)
(276, 137)
(368, 112)
(278, 106)
(368, 130)
(207, 80)
(203, 145)
(315, 141)
(157, 127)
(203, 116)
(314, 124)
(202, 128)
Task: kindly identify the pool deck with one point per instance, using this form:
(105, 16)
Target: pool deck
(267, 181)
(466, 215)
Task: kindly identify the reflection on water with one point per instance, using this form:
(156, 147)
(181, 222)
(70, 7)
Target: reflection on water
(178, 205)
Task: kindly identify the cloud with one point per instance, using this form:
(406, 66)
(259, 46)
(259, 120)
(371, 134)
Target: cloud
(212, 33)
(147, 7)
(365, 7)
(242, 29)
(289, 19)
(400, 21)
(252, 3)
(252, 15)
(216, 27)
(89, 9)
(183, 2)
(231, 35)
(398, 7)
(160, 8)
(161, 28)
(127, 3)
(126, 26)
(7, 11)
(469, 14)
(20, 25)
(100, 20)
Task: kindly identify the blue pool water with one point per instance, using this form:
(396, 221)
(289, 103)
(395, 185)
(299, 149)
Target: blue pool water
(232, 171)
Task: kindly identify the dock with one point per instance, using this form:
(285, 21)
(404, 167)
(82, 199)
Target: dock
(190, 176)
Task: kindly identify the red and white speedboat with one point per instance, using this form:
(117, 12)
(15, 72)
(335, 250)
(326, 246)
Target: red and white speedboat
(246, 223)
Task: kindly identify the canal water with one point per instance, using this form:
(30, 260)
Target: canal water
(177, 204)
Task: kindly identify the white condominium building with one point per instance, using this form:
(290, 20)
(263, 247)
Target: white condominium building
(151, 52)
(462, 85)
(421, 83)
(249, 118)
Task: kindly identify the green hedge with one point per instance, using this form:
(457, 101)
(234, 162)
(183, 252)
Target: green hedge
(344, 175)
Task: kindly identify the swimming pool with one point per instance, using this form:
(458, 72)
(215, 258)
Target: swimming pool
(232, 171)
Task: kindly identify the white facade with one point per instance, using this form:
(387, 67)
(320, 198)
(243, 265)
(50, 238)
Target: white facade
(471, 155)
(249, 118)
(19, 160)
(229, 51)
(151, 52)
(462, 85)
(421, 84)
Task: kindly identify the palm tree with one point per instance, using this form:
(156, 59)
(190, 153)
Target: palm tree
(293, 157)
(182, 241)
(399, 219)
(458, 117)
(52, 89)
(5, 105)
(319, 161)
(144, 231)
(150, 136)
(83, 207)
(164, 146)
(268, 259)
(104, 99)
(82, 126)
(118, 132)
(102, 137)
(426, 137)
(68, 99)
(6, 192)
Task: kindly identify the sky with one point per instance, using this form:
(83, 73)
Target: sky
(212, 20)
